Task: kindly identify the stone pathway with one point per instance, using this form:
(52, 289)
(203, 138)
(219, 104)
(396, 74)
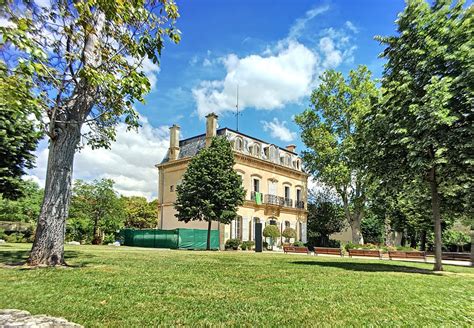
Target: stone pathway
(18, 318)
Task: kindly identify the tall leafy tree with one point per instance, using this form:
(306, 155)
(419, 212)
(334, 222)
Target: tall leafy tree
(25, 208)
(211, 190)
(85, 58)
(329, 129)
(139, 213)
(19, 132)
(325, 217)
(97, 205)
(423, 128)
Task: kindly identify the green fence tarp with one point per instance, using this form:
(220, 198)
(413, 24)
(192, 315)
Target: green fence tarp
(175, 239)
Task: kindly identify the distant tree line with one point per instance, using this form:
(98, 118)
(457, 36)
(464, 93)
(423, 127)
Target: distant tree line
(97, 211)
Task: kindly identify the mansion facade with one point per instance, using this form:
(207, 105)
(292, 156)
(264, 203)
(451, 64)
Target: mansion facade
(276, 186)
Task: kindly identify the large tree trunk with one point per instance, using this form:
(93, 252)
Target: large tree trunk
(435, 208)
(208, 247)
(355, 224)
(48, 246)
(472, 246)
(423, 241)
(398, 238)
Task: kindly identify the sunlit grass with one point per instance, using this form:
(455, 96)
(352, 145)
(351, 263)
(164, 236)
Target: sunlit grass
(148, 287)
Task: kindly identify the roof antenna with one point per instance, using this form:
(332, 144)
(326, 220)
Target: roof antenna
(237, 109)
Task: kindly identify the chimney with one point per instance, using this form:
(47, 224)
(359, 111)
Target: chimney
(211, 128)
(291, 148)
(174, 142)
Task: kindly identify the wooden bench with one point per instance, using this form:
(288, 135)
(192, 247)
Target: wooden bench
(407, 255)
(328, 250)
(295, 249)
(455, 256)
(365, 252)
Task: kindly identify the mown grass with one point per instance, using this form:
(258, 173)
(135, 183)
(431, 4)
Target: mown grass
(125, 287)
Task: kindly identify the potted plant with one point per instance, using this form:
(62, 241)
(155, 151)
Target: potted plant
(272, 232)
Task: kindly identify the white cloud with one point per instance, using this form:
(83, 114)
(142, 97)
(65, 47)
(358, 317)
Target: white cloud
(352, 27)
(265, 82)
(282, 74)
(333, 56)
(4, 22)
(278, 130)
(300, 24)
(130, 161)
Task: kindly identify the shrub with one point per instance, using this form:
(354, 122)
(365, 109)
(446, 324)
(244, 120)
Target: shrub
(265, 245)
(232, 244)
(3, 235)
(15, 238)
(247, 245)
(109, 238)
(272, 232)
(334, 243)
(298, 244)
(289, 233)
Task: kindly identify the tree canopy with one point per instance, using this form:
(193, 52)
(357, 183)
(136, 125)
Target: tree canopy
(329, 130)
(84, 59)
(210, 190)
(19, 130)
(422, 128)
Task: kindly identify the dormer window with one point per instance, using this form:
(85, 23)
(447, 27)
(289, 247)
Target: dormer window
(257, 149)
(239, 144)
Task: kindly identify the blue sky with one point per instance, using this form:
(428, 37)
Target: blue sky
(274, 51)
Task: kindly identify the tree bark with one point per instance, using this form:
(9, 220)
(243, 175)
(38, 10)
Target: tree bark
(208, 247)
(48, 246)
(423, 241)
(357, 237)
(472, 246)
(435, 207)
(398, 238)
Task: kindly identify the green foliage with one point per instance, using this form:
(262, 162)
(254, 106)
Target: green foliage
(325, 217)
(289, 233)
(139, 213)
(232, 243)
(210, 190)
(23, 209)
(71, 71)
(19, 133)
(422, 130)
(16, 237)
(373, 229)
(247, 245)
(96, 210)
(271, 231)
(330, 129)
(298, 244)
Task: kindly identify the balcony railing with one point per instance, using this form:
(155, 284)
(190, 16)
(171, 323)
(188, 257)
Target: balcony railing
(273, 200)
(299, 204)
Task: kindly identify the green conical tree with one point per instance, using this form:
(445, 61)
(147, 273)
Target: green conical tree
(211, 190)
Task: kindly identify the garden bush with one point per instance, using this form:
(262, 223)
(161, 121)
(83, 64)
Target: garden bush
(16, 238)
(272, 232)
(247, 245)
(289, 233)
(298, 244)
(232, 243)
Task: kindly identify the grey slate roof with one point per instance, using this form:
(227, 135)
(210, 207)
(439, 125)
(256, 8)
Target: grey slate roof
(191, 146)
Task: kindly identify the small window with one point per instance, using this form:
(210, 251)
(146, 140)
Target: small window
(257, 150)
(298, 195)
(256, 185)
(172, 188)
(287, 192)
(238, 228)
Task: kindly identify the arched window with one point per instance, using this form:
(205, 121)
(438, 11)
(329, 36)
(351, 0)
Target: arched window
(239, 144)
(257, 149)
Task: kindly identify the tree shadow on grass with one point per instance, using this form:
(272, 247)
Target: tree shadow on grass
(366, 267)
(17, 258)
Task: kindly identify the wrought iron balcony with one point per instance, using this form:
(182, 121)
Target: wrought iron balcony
(273, 199)
(299, 204)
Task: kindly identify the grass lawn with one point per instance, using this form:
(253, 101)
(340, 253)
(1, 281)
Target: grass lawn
(146, 287)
